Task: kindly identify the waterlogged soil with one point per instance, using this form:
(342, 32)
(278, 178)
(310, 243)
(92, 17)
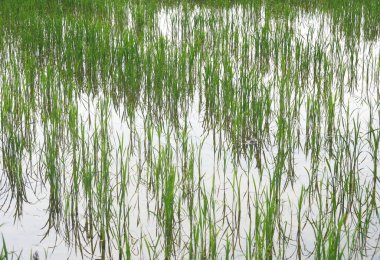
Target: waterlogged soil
(190, 131)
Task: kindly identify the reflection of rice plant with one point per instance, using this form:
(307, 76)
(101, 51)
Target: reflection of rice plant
(36, 256)
(193, 130)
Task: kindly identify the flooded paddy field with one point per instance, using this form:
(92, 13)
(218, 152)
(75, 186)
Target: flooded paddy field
(189, 130)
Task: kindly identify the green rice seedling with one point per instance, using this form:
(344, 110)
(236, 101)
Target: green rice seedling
(13, 146)
(334, 251)
(299, 226)
(4, 251)
(103, 187)
(169, 212)
(374, 140)
(330, 122)
(146, 129)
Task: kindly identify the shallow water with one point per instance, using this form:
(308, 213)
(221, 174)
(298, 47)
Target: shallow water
(234, 102)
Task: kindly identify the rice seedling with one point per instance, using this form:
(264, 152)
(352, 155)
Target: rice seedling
(201, 130)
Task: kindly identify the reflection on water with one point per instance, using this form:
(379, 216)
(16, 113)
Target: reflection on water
(181, 131)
